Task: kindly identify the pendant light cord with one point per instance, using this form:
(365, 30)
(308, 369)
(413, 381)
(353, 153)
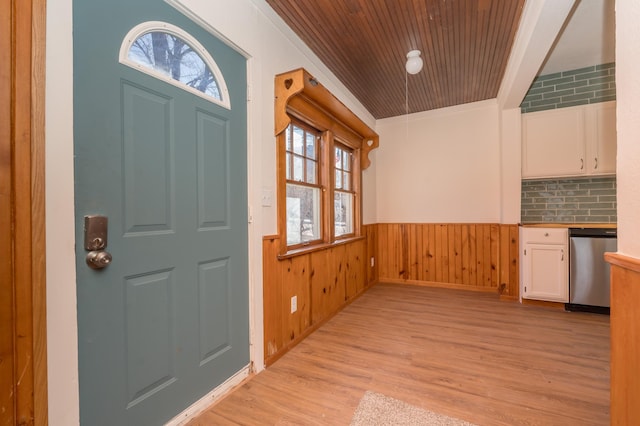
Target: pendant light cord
(406, 107)
(406, 93)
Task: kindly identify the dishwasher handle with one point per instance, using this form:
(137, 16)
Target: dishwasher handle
(593, 232)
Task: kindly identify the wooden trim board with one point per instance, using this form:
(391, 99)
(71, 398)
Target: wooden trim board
(299, 88)
(22, 215)
(625, 262)
(441, 285)
(625, 339)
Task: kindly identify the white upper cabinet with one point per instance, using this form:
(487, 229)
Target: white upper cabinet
(574, 141)
(553, 143)
(600, 120)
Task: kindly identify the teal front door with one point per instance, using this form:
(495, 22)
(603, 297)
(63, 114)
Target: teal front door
(160, 151)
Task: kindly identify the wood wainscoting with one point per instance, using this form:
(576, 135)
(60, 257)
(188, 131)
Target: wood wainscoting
(625, 339)
(470, 256)
(323, 281)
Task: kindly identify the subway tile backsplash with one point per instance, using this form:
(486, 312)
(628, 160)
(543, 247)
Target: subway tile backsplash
(570, 88)
(572, 200)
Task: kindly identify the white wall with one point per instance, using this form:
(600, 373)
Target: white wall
(244, 24)
(628, 93)
(369, 194)
(440, 166)
(510, 165)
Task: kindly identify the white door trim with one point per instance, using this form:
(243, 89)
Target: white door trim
(211, 398)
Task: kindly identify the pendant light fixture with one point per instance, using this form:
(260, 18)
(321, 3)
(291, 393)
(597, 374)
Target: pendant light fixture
(413, 66)
(414, 62)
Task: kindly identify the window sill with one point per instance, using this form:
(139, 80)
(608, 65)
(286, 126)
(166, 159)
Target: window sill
(318, 247)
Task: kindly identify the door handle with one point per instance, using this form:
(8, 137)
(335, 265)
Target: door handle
(95, 241)
(562, 258)
(98, 259)
(596, 166)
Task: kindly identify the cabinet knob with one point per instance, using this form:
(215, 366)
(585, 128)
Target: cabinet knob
(546, 234)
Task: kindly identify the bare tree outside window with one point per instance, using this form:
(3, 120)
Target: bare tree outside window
(303, 188)
(171, 56)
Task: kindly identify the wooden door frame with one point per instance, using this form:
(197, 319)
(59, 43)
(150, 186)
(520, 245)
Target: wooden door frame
(23, 346)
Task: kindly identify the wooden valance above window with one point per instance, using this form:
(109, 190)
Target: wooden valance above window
(300, 95)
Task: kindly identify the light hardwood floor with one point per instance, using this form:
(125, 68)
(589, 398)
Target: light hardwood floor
(462, 354)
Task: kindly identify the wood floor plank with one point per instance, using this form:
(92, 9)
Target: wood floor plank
(461, 354)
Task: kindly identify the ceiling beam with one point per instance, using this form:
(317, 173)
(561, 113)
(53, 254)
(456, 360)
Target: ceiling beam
(541, 22)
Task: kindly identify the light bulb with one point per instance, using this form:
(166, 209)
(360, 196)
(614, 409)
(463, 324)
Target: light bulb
(414, 62)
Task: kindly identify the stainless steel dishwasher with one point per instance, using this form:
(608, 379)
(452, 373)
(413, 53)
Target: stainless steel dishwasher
(588, 271)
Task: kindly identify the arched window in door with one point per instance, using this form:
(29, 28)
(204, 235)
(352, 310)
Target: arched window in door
(168, 53)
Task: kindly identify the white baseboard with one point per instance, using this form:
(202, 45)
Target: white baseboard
(205, 402)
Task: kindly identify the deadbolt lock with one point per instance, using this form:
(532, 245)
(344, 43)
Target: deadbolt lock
(95, 241)
(95, 232)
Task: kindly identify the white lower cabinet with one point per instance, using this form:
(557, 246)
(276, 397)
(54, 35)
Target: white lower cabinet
(545, 264)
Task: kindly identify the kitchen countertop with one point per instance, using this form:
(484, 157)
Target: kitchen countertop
(569, 225)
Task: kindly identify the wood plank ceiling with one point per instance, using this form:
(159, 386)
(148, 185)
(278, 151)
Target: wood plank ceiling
(465, 46)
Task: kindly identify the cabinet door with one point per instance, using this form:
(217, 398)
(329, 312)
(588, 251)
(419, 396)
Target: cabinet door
(546, 274)
(601, 138)
(553, 143)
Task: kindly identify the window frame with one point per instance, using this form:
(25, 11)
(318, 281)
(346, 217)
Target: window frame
(354, 189)
(326, 177)
(319, 178)
(299, 96)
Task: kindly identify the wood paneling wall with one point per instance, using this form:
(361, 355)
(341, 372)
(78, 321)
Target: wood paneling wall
(23, 345)
(509, 261)
(481, 257)
(625, 339)
(324, 281)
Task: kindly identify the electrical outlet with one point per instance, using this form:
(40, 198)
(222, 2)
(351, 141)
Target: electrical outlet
(373, 261)
(294, 304)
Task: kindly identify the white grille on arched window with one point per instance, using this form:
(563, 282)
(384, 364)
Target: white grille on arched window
(168, 53)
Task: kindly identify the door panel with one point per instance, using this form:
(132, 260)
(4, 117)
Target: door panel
(148, 324)
(167, 321)
(148, 145)
(213, 179)
(214, 291)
